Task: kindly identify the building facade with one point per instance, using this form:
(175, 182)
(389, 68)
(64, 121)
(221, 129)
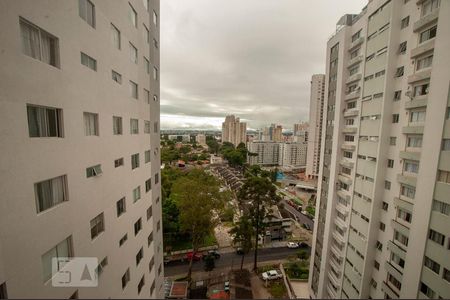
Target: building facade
(201, 139)
(80, 135)
(316, 111)
(383, 212)
(293, 154)
(268, 153)
(234, 131)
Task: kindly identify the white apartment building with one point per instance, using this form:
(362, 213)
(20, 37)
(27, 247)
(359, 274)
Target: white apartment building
(293, 154)
(268, 153)
(234, 131)
(316, 114)
(79, 119)
(201, 139)
(383, 209)
(179, 137)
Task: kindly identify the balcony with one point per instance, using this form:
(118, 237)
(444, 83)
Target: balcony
(425, 47)
(412, 129)
(333, 278)
(353, 78)
(346, 163)
(349, 129)
(408, 180)
(389, 291)
(356, 43)
(425, 21)
(355, 60)
(345, 179)
(351, 112)
(353, 95)
(409, 155)
(421, 75)
(336, 251)
(348, 146)
(331, 292)
(343, 194)
(416, 102)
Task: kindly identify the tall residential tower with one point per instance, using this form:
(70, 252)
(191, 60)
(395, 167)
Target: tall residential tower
(383, 209)
(79, 119)
(234, 131)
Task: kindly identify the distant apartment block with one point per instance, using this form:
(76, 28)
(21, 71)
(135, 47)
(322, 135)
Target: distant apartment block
(316, 114)
(186, 138)
(79, 112)
(277, 154)
(200, 139)
(383, 208)
(234, 131)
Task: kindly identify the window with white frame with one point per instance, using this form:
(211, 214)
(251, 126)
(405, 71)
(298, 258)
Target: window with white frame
(443, 176)
(422, 89)
(431, 264)
(403, 239)
(411, 166)
(97, 225)
(407, 191)
(132, 15)
(428, 34)
(115, 36)
(134, 126)
(116, 77)
(39, 44)
(134, 161)
(133, 90)
(136, 194)
(441, 207)
(417, 116)
(404, 214)
(424, 62)
(94, 171)
(44, 121)
(50, 192)
(88, 61)
(118, 162)
(90, 123)
(436, 237)
(117, 125)
(430, 6)
(63, 249)
(133, 53)
(146, 126)
(86, 11)
(414, 141)
(446, 145)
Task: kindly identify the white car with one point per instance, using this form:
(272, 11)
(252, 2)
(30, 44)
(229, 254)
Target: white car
(271, 275)
(292, 245)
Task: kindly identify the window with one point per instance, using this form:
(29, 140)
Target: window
(149, 213)
(139, 256)
(87, 11)
(385, 206)
(356, 36)
(150, 239)
(446, 145)
(408, 191)
(123, 239)
(351, 105)
(147, 65)
(145, 4)
(379, 246)
(382, 226)
(354, 53)
(115, 36)
(158, 226)
(141, 284)
(432, 265)
(349, 138)
(94, 171)
(39, 44)
(137, 226)
(402, 49)
(133, 90)
(155, 73)
(146, 33)
(88, 61)
(387, 185)
(134, 161)
(405, 22)
(146, 126)
(147, 156)
(426, 290)
(348, 154)
(121, 208)
(441, 207)
(414, 141)
(116, 77)
(117, 125)
(399, 72)
(151, 264)
(118, 162)
(159, 269)
(125, 278)
(428, 34)
(133, 53)
(411, 167)
(148, 185)
(424, 62)
(155, 18)
(101, 266)
(392, 140)
(132, 15)
(136, 194)
(397, 259)
(446, 275)
(134, 126)
(430, 6)
(403, 239)
(155, 127)
(353, 70)
(404, 215)
(97, 225)
(436, 237)
(390, 163)
(90, 124)
(155, 43)
(443, 176)
(417, 116)
(63, 249)
(147, 96)
(3, 291)
(156, 178)
(397, 95)
(395, 118)
(44, 121)
(50, 192)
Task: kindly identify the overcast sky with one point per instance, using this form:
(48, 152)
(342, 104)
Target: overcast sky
(251, 58)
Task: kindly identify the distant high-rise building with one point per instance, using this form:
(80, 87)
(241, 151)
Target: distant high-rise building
(80, 165)
(234, 131)
(301, 132)
(293, 154)
(316, 112)
(201, 139)
(382, 227)
(300, 127)
(277, 133)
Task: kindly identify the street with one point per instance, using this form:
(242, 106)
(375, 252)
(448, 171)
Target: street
(231, 259)
(301, 218)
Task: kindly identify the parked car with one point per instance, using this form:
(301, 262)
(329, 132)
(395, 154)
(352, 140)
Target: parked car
(303, 245)
(212, 253)
(271, 275)
(193, 256)
(292, 245)
(226, 287)
(239, 251)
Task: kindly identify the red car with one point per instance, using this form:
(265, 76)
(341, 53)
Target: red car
(195, 256)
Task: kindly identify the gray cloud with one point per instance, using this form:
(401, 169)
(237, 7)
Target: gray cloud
(252, 58)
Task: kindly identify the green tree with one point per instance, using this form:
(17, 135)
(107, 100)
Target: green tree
(212, 144)
(257, 195)
(210, 263)
(242, 234)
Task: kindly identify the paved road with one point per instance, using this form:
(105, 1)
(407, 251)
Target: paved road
(229, 259)
(301, 218)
